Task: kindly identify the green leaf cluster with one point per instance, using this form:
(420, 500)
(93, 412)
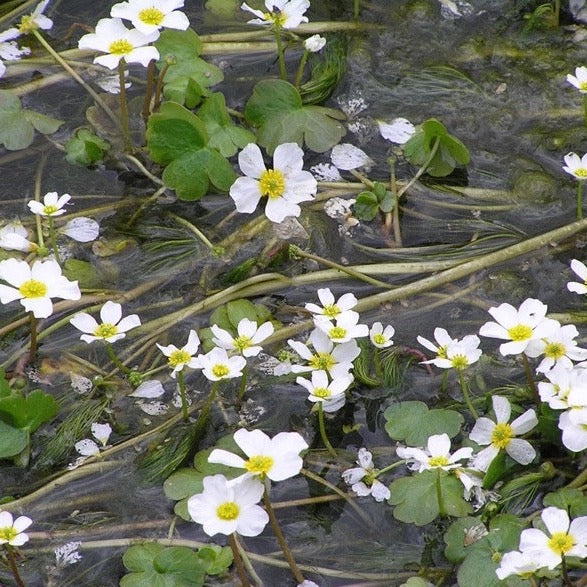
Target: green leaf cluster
(18, 125)
(85, 148)
(370, 202)
(432, 146)
(414, 423)
(154, 565)
(188, 77)
(277, 111)
(178, 139)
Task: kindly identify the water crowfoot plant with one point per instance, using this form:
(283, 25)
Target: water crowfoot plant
(12, 533)
(577, 167)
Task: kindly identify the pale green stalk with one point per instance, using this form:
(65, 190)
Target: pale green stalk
(323, 435)
(53, 238)
(124, 107)
(466, 396)
(280, 55)
(238, 562)
(115, 359)
(301, 66)
(13, 566)
(184, 403)
(579, 200)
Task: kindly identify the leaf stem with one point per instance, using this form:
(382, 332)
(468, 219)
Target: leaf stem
(422, 169)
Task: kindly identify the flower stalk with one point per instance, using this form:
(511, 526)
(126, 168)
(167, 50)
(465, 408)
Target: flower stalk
(466, 396)
(280, 53)
(13, 566)
(114, 358)
(124, 107)
(182, 394)
(238, 561)
(579, 200)
(53, 237)
(323, 435)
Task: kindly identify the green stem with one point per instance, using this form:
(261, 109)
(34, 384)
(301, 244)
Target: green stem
(115, 359)
(300, 71)
(397, 233)
(281, 539)
(243, 386)
(13, 566)
(149, 89)
(466, 396)
(530, 379)
(124, 107)
(377, 363)
(323, 435)
(184, 403)
(441, 509)
(33, 344)
(53, 238)
(580, 199)
(280, 55)
(389, 467)
(356, 7)
(579, 480)
(205, 411)
(422, 169)
(238, 561)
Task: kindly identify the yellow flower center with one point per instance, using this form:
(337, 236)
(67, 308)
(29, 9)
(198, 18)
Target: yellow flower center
(439, 461)
(220, 371)
(337, 332)
(242, 342)
(460, 362)
(272, 183)
(520, 332)
(259, 464)
(331, 310)
(561, 543)
(151, 16)
(277, 17)
(555, 350)
(27, 24)
(106, 330)
(50, 209)
(33, 289)
(581, 172)
(379, 338)
(120, 47)
(441, 352)
(322, 361)
(583, 86)
(178, 357)
(228, 511)
(502, 435)
(8, 533)
(322, 392)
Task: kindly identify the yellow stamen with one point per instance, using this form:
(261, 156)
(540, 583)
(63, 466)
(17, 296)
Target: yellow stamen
(272, 183)
(228, 511)
(259, 464)
(561, 542)
(178, 357)
(502, 435)
(33, 289)
(519, 332)
(120, 47)
(439, 461)
(220, 371)
(322, 392)
(151, 16)
(322, 361)
(106, 330)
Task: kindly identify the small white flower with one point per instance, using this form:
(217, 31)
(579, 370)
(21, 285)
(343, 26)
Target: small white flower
(501, 435)
(346, 156)
(330, 395)
(458, 354)
(177, 359)
(564, 538)
(344, 328)
(9, 50)
(442, 339)
(573, 423)
(581, 270)
(12, 532)
(381, 337)
(436, 455)
(248, 339)
(14, 237)
(35, 20)
(67, 554)
(217, 365)
(576, 166)
(517, 326)
(363, 479)
(35, 286)
(566, 387)
(53, 205)
(399, 130)
(579, 80)
(111, 329)
(332, 308)
(149, 16)
(225, 506)
(118, 42)
(286, 185)
(81, 229)
(276, 458)
(522, 564)
(286, 14)
(101, 432)
(314, 43)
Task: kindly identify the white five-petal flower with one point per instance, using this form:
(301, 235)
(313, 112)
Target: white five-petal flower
(14, 237)
(331, 307)
(53, 204)
(363, 479)
(183, 357)
(35, 20)
(436, 455)
(523, 564)
(381, 337)
(12, 531)
(579, 80)
(573, 424)
(247, 341)
(149, 16)
(344, 328)
(286, 185)
(217, 365)
(286, 14)
(112, 327)
(330, 394)
(501, 435)
(576, 166)
(458, 354)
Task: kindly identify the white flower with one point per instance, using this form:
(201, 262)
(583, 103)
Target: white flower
(217, 365)
(381, 337)
(573, 423)
(113, 38)
(67, 554)
(344, 328)
(177, 359)
(501, 435)
(458, 354)
(53, 205)
(564, 538)
(579, 80)
(557, 345)
(330, 395)
(332, 308)
(248, 339)
(286, 14)
(35, 286)
(314, 43)
(336, 359)
(286, 185)
(9, 50)
(111, 329)
(581, 270)
(442, 339)
(436, 455)
(12, 532)
(522, 564)
(363, 479)
(36, 20)
(225, 506)
(14, 237)
(517, 326)
(576, 166)
(276, 458)
(566, 387)
(149, 16)
(81, 229)
(399, 130)
(101, 432)
(346, 156)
